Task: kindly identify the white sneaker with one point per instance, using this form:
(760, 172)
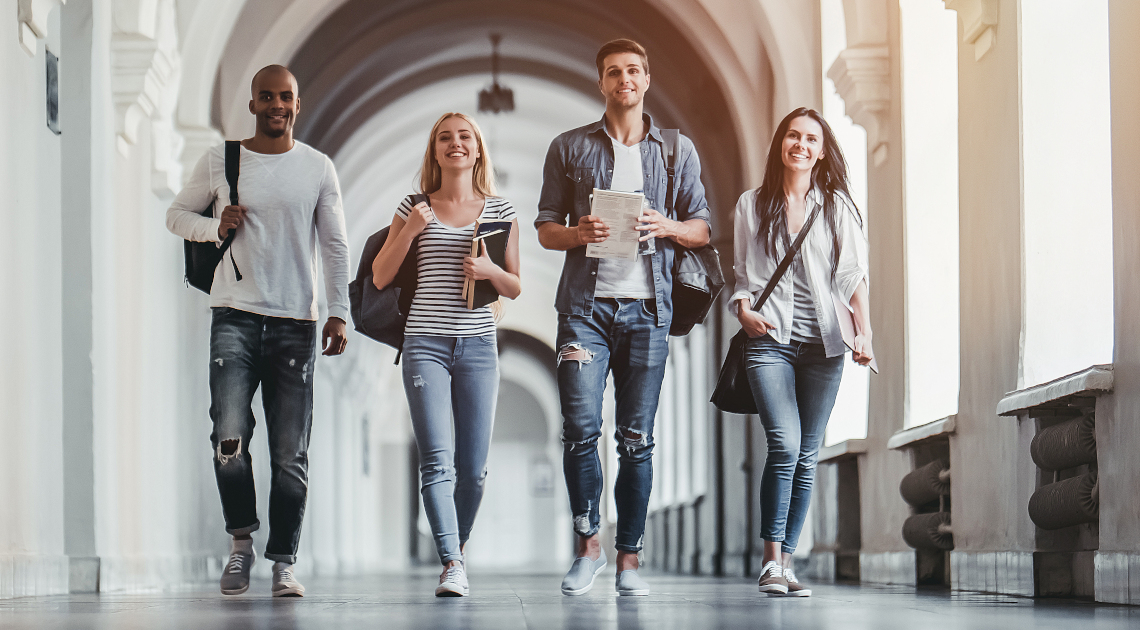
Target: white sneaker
(284, 584)
(453, 583)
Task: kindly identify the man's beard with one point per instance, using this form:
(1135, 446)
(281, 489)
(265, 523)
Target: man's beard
(274, 132)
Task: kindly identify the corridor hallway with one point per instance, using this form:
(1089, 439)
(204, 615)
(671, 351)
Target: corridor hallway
(986, 477)
(522, 601)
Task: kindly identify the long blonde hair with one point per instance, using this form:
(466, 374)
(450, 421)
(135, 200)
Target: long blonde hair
(482, 180)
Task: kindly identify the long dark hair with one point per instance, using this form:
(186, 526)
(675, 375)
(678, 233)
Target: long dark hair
(829, 175)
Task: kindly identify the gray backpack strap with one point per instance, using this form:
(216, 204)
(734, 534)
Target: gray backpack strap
(670, 140)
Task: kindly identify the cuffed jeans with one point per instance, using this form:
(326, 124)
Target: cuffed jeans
(279, 354)
(620, 335)
(445, 376)
(794, 385)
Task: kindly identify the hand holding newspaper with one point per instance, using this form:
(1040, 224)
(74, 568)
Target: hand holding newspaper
(619, 211)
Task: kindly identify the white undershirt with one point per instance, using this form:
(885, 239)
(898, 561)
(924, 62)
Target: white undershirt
(618, 278)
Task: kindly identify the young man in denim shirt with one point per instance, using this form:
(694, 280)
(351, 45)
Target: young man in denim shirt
(614, 313)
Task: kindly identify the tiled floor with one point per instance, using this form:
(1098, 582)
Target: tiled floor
(533, 601)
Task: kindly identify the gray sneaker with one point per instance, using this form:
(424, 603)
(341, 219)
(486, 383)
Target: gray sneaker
(795, 588)
(630, 583)
(772, 579)
(284, 584)
(235, 577)
(580, 578)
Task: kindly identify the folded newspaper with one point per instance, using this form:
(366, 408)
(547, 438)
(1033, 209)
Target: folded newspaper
(619, 211)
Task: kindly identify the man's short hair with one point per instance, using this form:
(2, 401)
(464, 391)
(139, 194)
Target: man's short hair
(271, 68)
(621, 46)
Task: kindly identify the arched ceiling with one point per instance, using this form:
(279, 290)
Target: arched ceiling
(367, 54)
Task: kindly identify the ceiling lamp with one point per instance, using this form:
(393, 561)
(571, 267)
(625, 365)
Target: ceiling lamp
(496, 99)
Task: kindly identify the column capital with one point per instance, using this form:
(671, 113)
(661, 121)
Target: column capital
(862, 76)
(979, 21)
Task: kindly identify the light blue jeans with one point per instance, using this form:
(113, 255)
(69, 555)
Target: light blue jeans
(445, 376)
(794, 385)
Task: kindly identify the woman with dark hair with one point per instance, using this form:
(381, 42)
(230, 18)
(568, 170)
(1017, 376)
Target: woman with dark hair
(794, 355)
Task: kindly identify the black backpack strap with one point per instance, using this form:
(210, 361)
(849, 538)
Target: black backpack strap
(670, 139)
(233, 166)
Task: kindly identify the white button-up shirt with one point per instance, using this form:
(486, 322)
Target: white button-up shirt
(753, 268)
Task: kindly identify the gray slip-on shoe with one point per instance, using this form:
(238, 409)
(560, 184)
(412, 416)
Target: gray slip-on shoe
(630, 583)
(580, 578)
(235, 577)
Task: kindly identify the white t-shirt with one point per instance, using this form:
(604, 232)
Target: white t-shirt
(619, 278)
(438, 308)
(293, 200)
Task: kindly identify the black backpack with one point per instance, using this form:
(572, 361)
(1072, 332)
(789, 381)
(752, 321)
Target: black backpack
(697, 276)
(381, 314)
(203, 258)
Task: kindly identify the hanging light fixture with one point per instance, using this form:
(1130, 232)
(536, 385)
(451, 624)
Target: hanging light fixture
(496, 99)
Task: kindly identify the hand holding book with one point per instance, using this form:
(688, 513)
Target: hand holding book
(488, 252)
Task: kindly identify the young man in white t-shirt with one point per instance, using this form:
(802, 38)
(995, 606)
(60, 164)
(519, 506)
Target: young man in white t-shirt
(614, 315)
(264, 304)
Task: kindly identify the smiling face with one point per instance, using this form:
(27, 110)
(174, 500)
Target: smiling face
(456, 145)
(624, 80)
(275, 102)
(803, 144)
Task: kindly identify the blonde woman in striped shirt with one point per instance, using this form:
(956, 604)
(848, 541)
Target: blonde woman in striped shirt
(450, 360)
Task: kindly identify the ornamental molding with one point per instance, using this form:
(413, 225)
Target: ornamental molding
(139, 72)
(33, 18)
(862, 77)
(979, 23)
(145, 68)
(145, 78)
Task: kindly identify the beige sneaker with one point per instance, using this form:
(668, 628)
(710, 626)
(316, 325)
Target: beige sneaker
(772, 580)
(795, 589)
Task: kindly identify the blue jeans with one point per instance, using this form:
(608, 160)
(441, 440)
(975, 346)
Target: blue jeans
(445, 376)
(619, 335)
(279, 354)
(794, 386)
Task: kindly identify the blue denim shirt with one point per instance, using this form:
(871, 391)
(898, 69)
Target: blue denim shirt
(581, 160)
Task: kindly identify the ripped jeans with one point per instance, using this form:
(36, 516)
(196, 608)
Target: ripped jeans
(445, 376)
(620, 335)
(279, 354)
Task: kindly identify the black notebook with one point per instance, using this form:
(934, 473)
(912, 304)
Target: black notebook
(495, 234)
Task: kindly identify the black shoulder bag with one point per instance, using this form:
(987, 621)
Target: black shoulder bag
(381, 314)
(697, 276)
(733, 394)
(203, 258)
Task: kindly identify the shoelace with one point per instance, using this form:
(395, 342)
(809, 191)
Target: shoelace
(774, 570)
(285, 575)
(453, 574)
(789, 576)
(237, 561)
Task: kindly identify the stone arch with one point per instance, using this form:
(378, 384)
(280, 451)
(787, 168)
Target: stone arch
(752, 57)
